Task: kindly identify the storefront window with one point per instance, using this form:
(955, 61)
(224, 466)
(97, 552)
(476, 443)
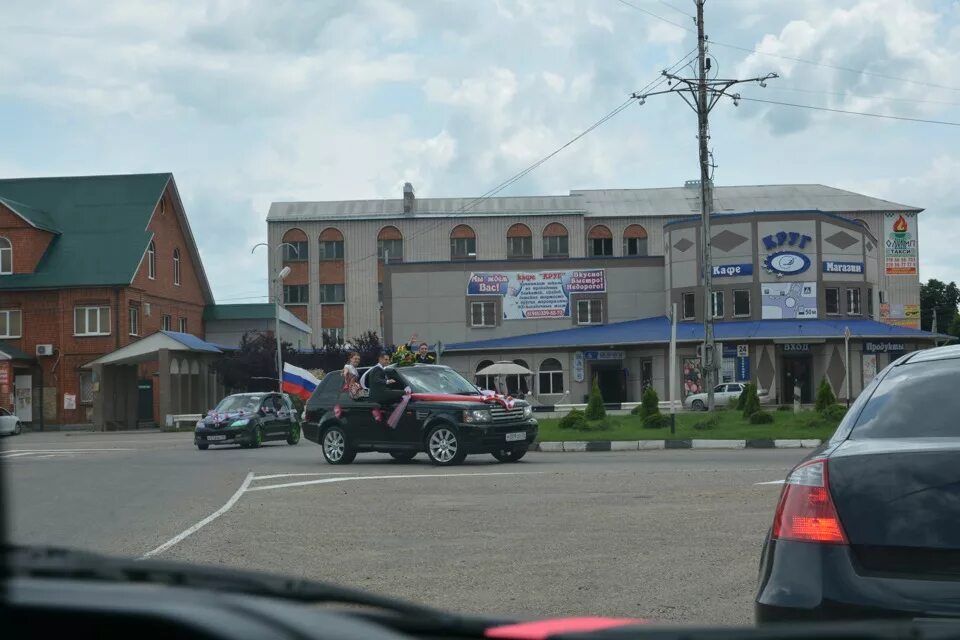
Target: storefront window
(741, 303)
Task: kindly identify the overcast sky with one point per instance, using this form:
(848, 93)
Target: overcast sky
(248, 102)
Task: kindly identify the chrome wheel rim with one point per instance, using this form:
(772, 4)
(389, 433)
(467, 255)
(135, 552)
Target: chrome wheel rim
(443, 445)
(333, 445)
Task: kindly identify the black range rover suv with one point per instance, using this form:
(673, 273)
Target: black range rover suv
(447, 430)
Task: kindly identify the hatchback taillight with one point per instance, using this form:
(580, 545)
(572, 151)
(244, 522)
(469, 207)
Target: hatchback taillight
(806, 511)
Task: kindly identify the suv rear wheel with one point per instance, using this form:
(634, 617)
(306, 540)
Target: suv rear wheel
(509, 455)
(444, 447)
(336, 447)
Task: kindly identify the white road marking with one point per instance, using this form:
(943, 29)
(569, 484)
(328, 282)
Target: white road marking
(200, 525)
(16, 453)
(769, 482)
(392, 477)
(290, 475)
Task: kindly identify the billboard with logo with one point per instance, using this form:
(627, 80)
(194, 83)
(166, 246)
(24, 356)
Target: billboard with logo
(900, 241)
(900, 315)
(536, 294)
(788, 300)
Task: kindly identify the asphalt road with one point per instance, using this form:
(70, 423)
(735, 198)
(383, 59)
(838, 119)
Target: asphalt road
(670, 535)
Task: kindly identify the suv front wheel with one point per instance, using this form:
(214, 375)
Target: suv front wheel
(444, 447)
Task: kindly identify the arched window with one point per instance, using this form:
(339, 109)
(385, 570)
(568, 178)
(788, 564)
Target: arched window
(390, 245)
(295, 246)
(152, 261)
(635, 241)
(551, 377)
(331, 244)
(485, 382)
(6, 257)
(556, 241)
(176, 267)
(517, 384)
(600, 241)
(463, 243)
(519, 242)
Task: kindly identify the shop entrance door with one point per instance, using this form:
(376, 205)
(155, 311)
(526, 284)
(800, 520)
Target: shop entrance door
(797, 369)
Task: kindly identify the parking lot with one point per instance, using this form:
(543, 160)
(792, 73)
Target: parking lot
(668, 535)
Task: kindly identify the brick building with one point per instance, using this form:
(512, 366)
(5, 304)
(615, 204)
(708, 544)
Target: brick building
(88, 266)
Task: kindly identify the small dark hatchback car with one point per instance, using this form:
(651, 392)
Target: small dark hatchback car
(249, 419)
(455, 421)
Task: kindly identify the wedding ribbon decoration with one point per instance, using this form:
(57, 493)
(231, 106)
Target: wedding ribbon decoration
(487, 397)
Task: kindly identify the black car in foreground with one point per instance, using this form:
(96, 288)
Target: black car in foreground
(249, 419)
(868, 525)
(455, 422)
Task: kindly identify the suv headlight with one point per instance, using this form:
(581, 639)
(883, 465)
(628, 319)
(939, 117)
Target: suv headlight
(474, 416)
(527, 412)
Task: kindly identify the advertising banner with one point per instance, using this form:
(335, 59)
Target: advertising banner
(692, 376)
(900, 240)
(788, 300)
(869, 368)
(536, 294)
(900, 315)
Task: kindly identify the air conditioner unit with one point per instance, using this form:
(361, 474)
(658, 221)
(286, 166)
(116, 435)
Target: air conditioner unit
(44, 349)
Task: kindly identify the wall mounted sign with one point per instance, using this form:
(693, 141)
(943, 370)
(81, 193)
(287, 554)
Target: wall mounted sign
(578, 366)
(786, 263)
(743, 369)
(788, 300)
(786, 238)
(604, 355)
(536, 294)
(796, 347)
(830, 266)
(884, 347)
(900, 240)
(900, 315)
(730, 270)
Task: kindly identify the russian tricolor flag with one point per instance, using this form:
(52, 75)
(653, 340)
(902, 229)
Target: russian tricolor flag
(298, 382)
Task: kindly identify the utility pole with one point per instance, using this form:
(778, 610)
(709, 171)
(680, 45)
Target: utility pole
(702, 94)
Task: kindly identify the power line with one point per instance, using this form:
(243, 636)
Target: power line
(855, 113)
(657, 16)
(847, 94)
(675, 8)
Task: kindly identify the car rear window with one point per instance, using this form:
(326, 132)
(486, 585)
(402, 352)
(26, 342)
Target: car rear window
(914, 401)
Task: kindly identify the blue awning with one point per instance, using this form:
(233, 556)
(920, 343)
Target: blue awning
(657, 331)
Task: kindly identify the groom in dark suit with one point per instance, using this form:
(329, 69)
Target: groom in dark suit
(379, 383)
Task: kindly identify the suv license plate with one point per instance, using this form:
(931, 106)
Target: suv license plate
(216, 437)
(516, 436)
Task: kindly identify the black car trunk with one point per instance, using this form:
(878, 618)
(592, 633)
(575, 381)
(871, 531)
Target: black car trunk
(899, 503)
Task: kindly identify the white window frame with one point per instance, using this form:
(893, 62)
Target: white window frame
(182, 325)
(483, 324)
(152, 261)
(749, 304)
(8, 313)
(85, 382)
(548, 251)
(6, 249)
(526, 242)
(683, 306)
(133, 318)
(551, 373)
(343, 298)
(166, 322)
(98, 311)
(641, 244)
(287, 288)
(590, 304)
(854, 302)
(176, 267)
(714, 307)
(603, 246)
(826, 304)
(463, 255)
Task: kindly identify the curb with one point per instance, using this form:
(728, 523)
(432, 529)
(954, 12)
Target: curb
(569, 446)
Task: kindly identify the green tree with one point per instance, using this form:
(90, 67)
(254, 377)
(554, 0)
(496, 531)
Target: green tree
(751, 403)
(825, 397)
(941, 297)
(595, 409)
(650, 402)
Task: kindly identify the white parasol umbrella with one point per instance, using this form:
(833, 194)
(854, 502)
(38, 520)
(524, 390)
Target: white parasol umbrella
(504, 368)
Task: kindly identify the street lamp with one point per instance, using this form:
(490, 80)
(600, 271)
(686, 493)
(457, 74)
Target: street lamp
(278, 292)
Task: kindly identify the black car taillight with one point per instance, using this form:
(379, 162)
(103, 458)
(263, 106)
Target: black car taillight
(806, 511)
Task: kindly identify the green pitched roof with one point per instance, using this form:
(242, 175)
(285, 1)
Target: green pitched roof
(101, 222)
(8, 349)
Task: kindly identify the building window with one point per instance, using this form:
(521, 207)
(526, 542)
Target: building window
(296, 293)
(86, 387)
(741, 303)
(380, 292)
(831, 301)
(182, 325)
(152, 261)
(589, 311)
(463, 248)
(11, 323)
(870, 303)
(390, 250)
(556, 242)
(517, 384)
(133, 314)
(332, 293)
(333, 335)
(635, 241)
(176, 267)
(296, 251)
(689, 306)
(483, 314)
(853, 302)
(91, 321)
(166, 323)
(600, 241)
(717, 303)
(551, 377)
(485, 382)
(519, 242)
(331, 250)
(6, 257)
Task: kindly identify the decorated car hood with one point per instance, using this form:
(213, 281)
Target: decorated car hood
(221, 419)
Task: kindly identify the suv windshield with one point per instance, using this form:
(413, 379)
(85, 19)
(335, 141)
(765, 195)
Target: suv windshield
(438, 380)
(239, 403)
(910, 391)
